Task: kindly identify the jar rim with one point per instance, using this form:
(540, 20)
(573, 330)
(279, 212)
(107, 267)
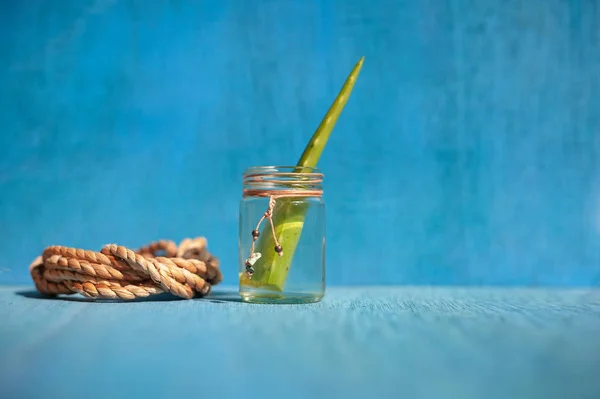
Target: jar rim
(281, 169)
(279, 180)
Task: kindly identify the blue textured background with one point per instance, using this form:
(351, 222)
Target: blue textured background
(469, 152)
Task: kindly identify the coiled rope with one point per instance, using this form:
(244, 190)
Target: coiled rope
(117, 272)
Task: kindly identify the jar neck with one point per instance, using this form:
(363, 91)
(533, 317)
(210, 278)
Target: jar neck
(282, 181)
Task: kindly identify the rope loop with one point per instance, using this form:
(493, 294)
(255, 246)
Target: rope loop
(117, 272)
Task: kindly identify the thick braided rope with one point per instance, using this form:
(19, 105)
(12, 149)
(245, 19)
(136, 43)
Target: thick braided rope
(117, 272)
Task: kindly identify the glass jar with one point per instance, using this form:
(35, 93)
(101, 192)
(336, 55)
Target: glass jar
(282, 235)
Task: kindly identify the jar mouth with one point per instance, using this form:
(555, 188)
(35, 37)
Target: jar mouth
(281, 169)
(260, 180)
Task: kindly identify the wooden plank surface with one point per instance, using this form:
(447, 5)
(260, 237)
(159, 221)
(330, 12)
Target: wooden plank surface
(359, 342)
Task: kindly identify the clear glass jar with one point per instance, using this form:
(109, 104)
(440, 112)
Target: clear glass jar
(282, 261)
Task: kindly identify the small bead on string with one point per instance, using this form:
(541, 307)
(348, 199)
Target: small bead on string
(254, 256)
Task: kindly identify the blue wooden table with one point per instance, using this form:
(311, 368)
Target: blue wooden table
(369, 342)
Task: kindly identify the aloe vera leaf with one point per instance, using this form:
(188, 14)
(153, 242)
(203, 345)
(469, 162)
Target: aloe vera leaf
(288, 218)
(271, 270)
(312, 152)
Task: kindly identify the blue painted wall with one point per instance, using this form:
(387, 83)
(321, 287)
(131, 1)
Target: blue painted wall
(469, 152)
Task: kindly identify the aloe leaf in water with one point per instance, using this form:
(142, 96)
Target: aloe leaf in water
(271, 270)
